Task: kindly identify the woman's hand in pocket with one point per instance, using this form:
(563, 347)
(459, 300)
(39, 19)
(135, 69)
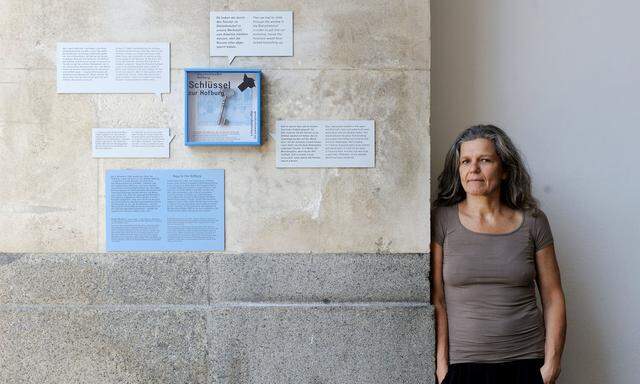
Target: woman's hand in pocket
(441, 373)
(549, 373)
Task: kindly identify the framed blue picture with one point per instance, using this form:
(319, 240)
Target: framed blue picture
(222, 106)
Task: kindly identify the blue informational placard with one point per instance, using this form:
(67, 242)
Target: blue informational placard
(165, 210)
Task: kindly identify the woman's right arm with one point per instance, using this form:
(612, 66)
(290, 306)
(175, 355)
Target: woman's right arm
(437, 300)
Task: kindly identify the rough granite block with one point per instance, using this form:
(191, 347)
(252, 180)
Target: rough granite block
(371, 34)
(321, 345)
(103, 279)
(93, 345)
(325, 278)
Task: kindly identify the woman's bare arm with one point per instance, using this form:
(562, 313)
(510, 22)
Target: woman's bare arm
(437, 300)
(552, 297)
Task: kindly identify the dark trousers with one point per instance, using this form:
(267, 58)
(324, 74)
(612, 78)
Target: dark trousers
(526, 371)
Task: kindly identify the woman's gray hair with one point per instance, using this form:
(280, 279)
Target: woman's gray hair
(515, 191)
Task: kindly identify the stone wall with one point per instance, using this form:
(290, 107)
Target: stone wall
(215, 318)
(356, 59)
(69, 314)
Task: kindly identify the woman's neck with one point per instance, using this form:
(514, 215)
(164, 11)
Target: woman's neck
(481, 205)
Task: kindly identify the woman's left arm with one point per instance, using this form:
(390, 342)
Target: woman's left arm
(555, 320)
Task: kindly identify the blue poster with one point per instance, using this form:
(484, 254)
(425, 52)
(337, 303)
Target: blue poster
(165, 210)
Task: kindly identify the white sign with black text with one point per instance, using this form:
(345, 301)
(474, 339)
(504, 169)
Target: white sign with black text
(325, 144)
(113, 68)
(251, 33)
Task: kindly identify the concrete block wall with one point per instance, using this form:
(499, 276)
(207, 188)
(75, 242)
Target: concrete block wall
(215, 318)
(351, 307)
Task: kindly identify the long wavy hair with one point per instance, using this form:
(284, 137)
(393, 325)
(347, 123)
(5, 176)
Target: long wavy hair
(515, 190)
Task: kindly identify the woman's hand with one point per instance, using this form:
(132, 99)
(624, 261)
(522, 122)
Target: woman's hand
(549, 373)
(555, 317)
(440, 309)
(441, 372)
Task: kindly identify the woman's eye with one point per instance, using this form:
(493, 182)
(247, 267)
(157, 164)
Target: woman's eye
(486, 160)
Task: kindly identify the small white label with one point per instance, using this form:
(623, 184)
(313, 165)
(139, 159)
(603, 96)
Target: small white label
(131, 142)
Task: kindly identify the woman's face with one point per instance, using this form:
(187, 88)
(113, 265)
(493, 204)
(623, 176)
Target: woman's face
(480, 168)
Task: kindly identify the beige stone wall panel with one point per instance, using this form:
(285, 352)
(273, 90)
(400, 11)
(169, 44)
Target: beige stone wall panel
(364, 34)
(49, 190)
(319, 210)
(31, 29)
(54, 196)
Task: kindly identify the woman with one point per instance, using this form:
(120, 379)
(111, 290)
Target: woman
(491, 245)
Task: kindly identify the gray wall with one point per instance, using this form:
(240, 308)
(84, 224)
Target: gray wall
(562, 78)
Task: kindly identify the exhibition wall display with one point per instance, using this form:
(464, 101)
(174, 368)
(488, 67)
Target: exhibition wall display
(222, 106)
(99, 87)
